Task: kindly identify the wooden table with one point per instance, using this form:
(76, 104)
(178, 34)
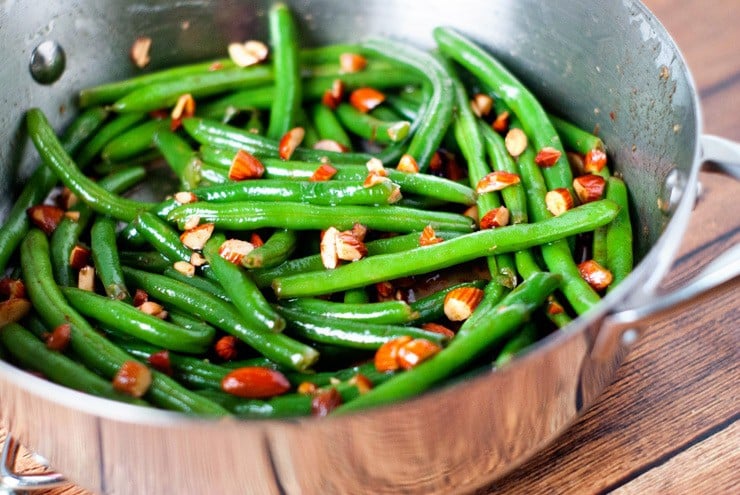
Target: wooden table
(669, 422)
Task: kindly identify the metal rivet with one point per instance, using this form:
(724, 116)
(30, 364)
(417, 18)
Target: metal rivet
(672, 191)
(47, 62)
(629, 337)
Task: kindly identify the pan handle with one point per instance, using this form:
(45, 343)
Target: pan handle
(622, 328)
(11, 481)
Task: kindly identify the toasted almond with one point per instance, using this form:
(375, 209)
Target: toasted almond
(45, 217)
(594, 161)
(495, 181)
(184, 267)
(256, 240)
(554, 307)
(375, 166)
(386, 357)
(13, 310)
(197, 237)
(132, 378)
(58, 339)
(516, 142)
(547, 157)
(333, 97)
(558, 201)
(437, 328)
(359, 231)
(67, 199)
(365, 99)
(153, 309)
(328, 247)
(407, 164)
(197, 259)
(290, 141)
(351, 62)
(140, 297)
(12, 288)
(362, 382)
(79, 257)
(139, 52)
(384, 289)
(589, 187)
(226, 347)
(453, 169)
(429, 237)
(307, 388)
(86, 278)
(234, 250)
(185, 107)
(501, 122)
(497, 217)
(191, 222)
(575, 160)
(330, 145)
(255, 382)
(250, 53)
(374, 179)
(245, 166)
(349, 248)
(460, 303)
(185, 197)
(416, 351)
(395, 196)
(596, 275)
(471, 212)
(481, 104)
(160, 361)
(325, 402)
(73, 215)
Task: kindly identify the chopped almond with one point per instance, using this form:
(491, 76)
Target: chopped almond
(12, 288)
(13, 310)
(160, 361)
(497, 217)
(501, 123)
(307, 388)
(429, 237)
(290, 141)
(255, 382)
(363, 383)
(516, 142)
(437, 328)
(328, 246)
(333, 97)
(325, 402)
(234, 250)
(596, 275)
(547, 157)
(45, 217)
(575, 160)
(197, 259)
(197, 237)
(185, 107)
(256, 240)
(386, 357)
(594, 161)
(558, 201)
(495, 181)
(139, 52)
(79, 257)
(187, 269)
(373, 179)
(554, 307)
(245, 166)
(59, 338)
(153, 309)
(412, 353)
(349, 248)
(226, 347)
(407, 164)
(185, 197)
(330, 145)
(375, 166)
(481, 104)
(73, 215)
(365, 99)
(67, 199)
(250, 53)
(460, 303)
(191, 222)
(589, 187)
(140, 297)
(352, 62)
(86, 278)
(133, 378)
(359, 231)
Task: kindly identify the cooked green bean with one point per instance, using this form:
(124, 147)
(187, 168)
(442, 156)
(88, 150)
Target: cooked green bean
(151, 261)
(527, 336)
(276, 249)
(527, 265)
(514, 196)
(445, 254)
(109, 131)
(125, 318)
(386, 313)
(179, 156)
(356, 296)
(574, 138)
(134, 141)
(372, 128)
(619, 257)
(512, 312)
(203, 283)
(105, 257)
(328, 125)
(284, 40)
(162, 237)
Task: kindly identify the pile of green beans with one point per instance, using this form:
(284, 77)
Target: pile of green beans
(213, 275)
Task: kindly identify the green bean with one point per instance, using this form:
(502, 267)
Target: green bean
(134, 141)
(310, 134)
(349, 333)
(437, 114)
(66, 235)
(125, 318)
(386, 313)
(179, 156)
(356, 296)
(467, 247)
(189, 322)
(264, 277)
(278, 248)
(31, 353)
(277, 347)
(512, 312)
(112, 129)
(407, 109)
(598, 245)
(94, 350)
(514, 196)
(527, 265)
(202, 283)
(492, 296)
(491, 72)
(246, 215)
(254, 124)
(151, 261)
(619, 257)
(328, 126)
(105, 256)
(431, 307)
(130, 236)
(526, 337)
(164, 94)
(242, 291)
(284, 40)
(386, 113)
(37, 187)
(162, 237)
(326, 193)
(57, 159)
(574, 138)
(372, 128)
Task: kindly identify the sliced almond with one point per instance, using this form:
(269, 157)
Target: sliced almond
(373, 179)
(13, 310)
(547, 157)
(234, 250)
(86, 278)
(290, 141)
(330, 145)
(386, 357)
(558, 201)
(187, 269)
(185, 197)
(59, 338)
(516, 142)
(407, 164)
(589, 187)
(501, 122)
(333, 97)
(139, 52)
(45, 217)
(362, 382)
(349, 247)
(323, 173)
(594, 161)
(185, 107)
(413, 353)
(132, 378)
(79, 257)
(352, 62)
(197, 237)
(191, 222)
(250, 53)
(429, 237)
(496, 181)
(460, 303)
(365, 99)
(245, 166)
(497, 217)
(153, 309)
(328, 247)
(596, 275)
(197, 259)
(481, 104)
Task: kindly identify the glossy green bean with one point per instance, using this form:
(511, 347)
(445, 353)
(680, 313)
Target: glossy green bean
(512, 312)
(125, 318)
(94, 350)
(372, 128)
(328, 125)
(151, 261)
(105, 257)
(445, 254)
(619, 256)
(132, 237)
(527, 265)
(278, 248)
(57, 159)
(527, 336)
(134, 141)
(356, 296)
(248, 215)
(109, 131)
(386, 313)
(31, 353)
(179, 156)
(431, 307)
(203, 283)
(574, 138)
(162, 237)
(279, 348)
(244, 294)
(284, 40)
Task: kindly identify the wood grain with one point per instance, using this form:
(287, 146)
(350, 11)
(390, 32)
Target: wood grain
(669, 423)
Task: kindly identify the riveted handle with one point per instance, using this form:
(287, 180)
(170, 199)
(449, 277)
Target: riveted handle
(10, 481)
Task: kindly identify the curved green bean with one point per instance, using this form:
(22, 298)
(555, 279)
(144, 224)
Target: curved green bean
(162, 237)
(328, 125)
(370, 127)
(105, 257)
(284, 40)
(386, 313)
(278, 248)
(112, 129)
(134, 141)
(619, 257)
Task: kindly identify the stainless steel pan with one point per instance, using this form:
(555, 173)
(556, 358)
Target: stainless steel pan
(601, 63)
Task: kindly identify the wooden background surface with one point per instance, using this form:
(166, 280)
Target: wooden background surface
(669, 423)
